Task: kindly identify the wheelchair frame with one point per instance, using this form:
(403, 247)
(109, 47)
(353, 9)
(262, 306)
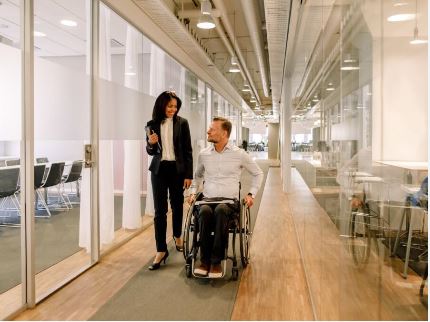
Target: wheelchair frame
(242, 227)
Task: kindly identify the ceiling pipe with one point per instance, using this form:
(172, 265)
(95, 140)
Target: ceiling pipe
(220, 6)
(227, 44)
(253, 21)
(196, 13)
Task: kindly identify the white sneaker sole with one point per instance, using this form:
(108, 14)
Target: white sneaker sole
(200, 272)
(215, 275)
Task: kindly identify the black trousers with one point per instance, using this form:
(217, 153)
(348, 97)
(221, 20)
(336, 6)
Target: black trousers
(214, 218)
(167, 180)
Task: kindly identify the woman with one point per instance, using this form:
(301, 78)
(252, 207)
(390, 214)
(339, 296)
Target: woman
(169, 142)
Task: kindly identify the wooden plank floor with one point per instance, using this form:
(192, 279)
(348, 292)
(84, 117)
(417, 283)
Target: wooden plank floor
(341, 289)
(273, 286)
(81, 298)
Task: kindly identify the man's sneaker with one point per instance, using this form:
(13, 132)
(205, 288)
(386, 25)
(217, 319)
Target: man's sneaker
(216, 271)
(202, 270)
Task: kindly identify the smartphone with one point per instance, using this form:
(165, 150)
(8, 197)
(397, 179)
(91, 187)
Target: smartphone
(148, 130)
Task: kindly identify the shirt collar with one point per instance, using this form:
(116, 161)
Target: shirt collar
(227, 147)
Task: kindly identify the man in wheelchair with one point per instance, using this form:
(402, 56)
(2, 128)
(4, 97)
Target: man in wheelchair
(220, 166)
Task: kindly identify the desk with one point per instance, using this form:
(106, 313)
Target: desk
(409, 165)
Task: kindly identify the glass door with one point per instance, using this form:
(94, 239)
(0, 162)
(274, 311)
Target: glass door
(62, 127)
(11, 282)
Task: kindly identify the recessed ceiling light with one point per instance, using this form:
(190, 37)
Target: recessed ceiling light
(39, 34)
(69, 23)
(234, 69)
(400, 4)
(350, 68)
(130, 73)
(401, 17)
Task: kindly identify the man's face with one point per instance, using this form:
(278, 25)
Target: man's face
(215, 132)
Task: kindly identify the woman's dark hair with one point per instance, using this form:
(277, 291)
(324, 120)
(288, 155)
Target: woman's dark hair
(159, 111)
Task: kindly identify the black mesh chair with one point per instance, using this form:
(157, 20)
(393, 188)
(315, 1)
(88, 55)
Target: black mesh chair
(13, 162)
(39, 171)
(73, 177)
(9, 186)
(53, 179)
(42, 160)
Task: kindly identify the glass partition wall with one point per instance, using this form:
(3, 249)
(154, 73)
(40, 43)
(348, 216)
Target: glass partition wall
(363, 107)
(11, 216)
(61, 129)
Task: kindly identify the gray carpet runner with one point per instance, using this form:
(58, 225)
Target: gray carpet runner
(167, 294)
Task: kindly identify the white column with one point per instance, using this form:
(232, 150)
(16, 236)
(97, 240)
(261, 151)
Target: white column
(285, 119)
(131, 210)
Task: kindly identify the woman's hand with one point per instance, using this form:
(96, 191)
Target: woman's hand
(187, 183)
(153, 138)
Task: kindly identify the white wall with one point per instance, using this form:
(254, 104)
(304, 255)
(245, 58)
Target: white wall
(400, 129)
(10, 93)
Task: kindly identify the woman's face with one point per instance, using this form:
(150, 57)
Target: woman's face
(171, 108)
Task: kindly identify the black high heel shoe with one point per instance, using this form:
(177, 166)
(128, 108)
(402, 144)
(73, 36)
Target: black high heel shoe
(155, 266)
(178, 248)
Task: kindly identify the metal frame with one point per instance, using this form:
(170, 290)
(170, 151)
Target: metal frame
(94, 199)
(27, 154)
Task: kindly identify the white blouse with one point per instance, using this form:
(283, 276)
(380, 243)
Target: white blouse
(168, 152)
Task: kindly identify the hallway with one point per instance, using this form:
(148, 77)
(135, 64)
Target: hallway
(282, 276)
(277, 285)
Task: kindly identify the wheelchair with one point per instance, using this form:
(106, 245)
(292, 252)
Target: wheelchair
(239, 224)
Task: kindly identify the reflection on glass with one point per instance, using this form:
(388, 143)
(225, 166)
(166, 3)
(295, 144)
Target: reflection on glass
(126, 59)
(359, 142)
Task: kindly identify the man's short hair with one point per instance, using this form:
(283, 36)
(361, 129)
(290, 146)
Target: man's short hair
(225, 124)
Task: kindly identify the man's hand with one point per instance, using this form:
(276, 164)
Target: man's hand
(187, 183)
(191, 198)
(356, 203)
(249, 200)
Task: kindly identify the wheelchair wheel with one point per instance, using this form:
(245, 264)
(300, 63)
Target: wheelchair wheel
(234, 274)
(360, 237)
(188, 232)
(245, 234)
(188, 270)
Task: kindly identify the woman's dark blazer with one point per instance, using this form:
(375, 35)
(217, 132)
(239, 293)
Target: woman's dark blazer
(181, 144)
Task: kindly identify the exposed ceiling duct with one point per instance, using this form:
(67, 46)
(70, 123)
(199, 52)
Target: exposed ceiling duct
(253, 22)
(277, 21)
(227, 44)
(220, 6)
(162, 15)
